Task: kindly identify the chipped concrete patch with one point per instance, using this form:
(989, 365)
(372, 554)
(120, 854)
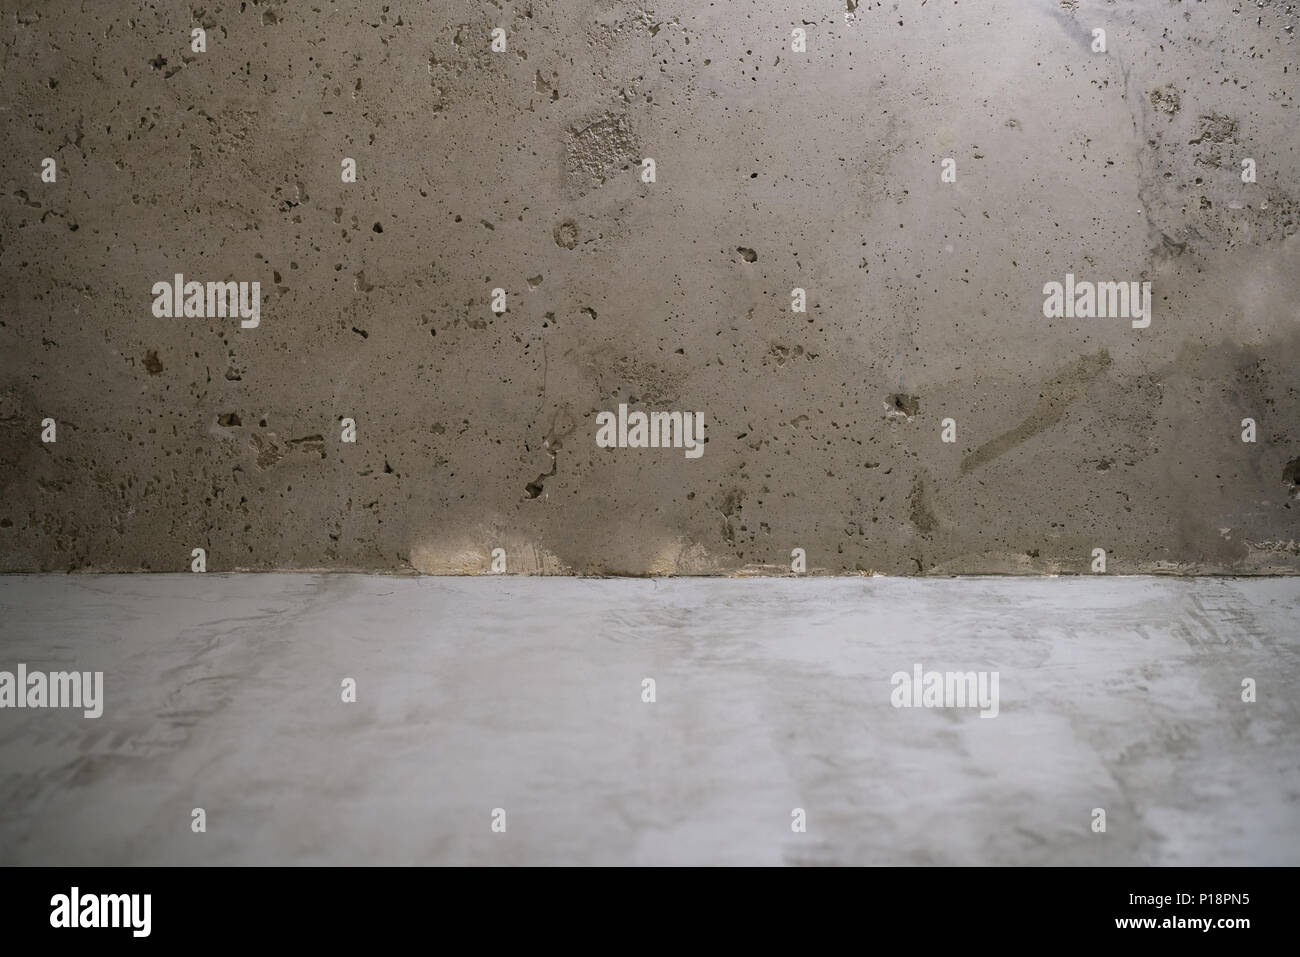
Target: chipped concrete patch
(596, 150)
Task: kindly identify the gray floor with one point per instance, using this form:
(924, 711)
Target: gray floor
(223, 692)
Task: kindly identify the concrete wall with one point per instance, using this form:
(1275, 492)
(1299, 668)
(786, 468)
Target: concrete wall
(775, 169)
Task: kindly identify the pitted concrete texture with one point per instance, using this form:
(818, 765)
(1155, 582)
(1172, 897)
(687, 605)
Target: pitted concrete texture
(224, 692)
(522, 170)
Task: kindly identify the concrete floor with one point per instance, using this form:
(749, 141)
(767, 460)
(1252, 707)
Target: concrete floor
(223, 692)
(776, 169)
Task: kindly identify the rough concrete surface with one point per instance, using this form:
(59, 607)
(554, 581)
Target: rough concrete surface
(775, 169)
(222, 692)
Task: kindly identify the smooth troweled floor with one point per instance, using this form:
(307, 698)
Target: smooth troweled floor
(477, 696)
